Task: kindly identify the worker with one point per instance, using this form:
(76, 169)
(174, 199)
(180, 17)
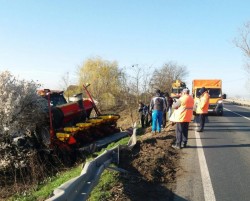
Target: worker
(143, 114)
(164, 114)
(182, 115)
(149, 117)
(202, 108)
(157, 106)
(170, 103)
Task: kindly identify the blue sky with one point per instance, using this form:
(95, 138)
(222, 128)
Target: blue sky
(42, 40)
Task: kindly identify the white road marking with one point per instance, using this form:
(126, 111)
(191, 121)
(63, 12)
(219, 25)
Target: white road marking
(206, 180)
(236, 113)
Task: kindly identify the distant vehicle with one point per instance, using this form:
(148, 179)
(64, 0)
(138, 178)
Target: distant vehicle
(215, 91)
(177, 87)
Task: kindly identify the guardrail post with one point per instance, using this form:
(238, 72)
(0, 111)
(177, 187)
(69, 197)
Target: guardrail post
(80, 187)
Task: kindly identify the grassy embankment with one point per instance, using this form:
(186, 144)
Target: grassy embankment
(45, 189)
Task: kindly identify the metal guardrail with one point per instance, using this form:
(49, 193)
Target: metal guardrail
(79, 188)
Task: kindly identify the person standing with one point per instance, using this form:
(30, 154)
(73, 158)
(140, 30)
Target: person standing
(157, 106)
(143, 112)
(170, 103)
(202, 108)
(146, 113)
(182, 115)
(149, 116)
(164, 114)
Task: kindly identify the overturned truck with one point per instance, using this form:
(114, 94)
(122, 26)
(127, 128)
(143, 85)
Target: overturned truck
(70, 125)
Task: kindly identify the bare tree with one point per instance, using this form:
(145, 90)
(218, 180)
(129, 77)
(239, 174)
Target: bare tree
(65, 84)
(138, 78)
(134, 80)
(163, 78)
(145, 84)
(243, 43)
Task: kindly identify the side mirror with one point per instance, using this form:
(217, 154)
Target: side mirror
(224, 96)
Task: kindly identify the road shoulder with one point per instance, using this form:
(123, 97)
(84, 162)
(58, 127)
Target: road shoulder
(189, 182)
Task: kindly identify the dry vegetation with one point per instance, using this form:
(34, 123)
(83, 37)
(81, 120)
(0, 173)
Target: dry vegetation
(24, 163)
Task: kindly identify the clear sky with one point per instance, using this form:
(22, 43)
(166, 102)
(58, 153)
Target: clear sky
(42, 40)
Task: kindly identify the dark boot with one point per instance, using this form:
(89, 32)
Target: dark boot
(183, 145)
(199, 130)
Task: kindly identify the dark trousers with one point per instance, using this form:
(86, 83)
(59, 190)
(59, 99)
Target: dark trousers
(146, 120)
(181, 132)
(164, 119)
(142, 118)
(202, 119)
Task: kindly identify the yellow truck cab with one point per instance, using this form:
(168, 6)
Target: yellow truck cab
(177, 87)
(214, 88)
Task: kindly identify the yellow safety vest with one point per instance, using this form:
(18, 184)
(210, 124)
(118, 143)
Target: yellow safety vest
(203, 104)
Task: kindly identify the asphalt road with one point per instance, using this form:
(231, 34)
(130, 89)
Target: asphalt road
(224, 172)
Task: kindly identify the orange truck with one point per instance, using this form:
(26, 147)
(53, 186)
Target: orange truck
(215, 91)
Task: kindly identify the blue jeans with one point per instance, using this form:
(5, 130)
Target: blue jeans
(156, 120)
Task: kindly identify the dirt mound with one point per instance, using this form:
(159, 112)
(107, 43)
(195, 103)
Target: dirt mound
(151, 167)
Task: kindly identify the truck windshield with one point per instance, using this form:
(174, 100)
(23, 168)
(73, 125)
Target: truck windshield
(56, 100)
(214, 93)
(177, 91)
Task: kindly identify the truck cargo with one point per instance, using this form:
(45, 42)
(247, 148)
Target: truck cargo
(214, 87)
(177, 87)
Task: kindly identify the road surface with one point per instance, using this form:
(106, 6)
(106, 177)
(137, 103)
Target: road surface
(216, 165)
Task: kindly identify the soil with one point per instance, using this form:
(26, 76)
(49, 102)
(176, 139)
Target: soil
(151, 166)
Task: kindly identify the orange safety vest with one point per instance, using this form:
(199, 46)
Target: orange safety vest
(203, 104)
(185, 112)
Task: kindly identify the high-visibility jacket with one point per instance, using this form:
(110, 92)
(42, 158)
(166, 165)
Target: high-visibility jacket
(184, 112)
(203, 104)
